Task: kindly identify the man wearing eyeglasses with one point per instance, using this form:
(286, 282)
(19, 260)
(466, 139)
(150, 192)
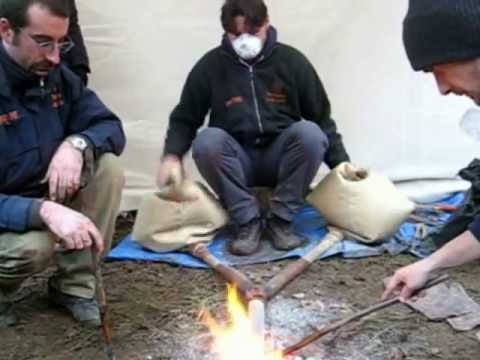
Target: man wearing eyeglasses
(59, 179)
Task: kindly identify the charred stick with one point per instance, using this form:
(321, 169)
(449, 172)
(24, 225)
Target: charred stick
(103, 305)
(341, 323)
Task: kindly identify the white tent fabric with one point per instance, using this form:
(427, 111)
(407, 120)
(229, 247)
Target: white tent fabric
(392, 119)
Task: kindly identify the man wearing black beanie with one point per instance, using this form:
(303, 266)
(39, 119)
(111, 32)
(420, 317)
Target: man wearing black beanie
(443, 37)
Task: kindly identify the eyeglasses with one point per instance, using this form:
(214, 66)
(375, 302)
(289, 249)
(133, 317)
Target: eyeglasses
(49, 46)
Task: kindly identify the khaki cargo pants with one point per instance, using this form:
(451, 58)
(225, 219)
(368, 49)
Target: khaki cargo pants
(22, 255)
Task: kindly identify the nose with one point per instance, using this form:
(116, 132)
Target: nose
(54, 56)
(443, 86)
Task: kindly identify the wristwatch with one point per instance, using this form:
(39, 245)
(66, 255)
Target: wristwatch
(78, 142)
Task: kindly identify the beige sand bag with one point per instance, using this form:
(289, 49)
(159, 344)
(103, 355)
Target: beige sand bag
(362, 202)
(177, 217)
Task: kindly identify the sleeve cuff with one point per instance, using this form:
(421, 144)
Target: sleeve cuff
(474, 227)
(34, 219)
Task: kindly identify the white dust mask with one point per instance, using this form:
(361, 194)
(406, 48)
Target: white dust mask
(247, 46)
(470, 123)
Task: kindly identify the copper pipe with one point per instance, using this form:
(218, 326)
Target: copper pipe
(257, 296)
(244, 285)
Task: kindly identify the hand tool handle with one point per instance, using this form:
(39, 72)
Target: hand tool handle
(295, 269)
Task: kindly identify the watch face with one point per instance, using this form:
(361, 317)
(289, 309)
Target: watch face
(79, 143)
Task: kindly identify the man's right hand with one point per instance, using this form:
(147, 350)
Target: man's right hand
(75, 230)
(170, 171)
(408, 279)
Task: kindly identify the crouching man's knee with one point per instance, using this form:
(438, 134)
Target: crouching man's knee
(25, 254)
(110, 172)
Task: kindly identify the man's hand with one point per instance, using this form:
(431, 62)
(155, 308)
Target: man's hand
(75, 230)
(170, 171)
(408, 279)
(64, 173)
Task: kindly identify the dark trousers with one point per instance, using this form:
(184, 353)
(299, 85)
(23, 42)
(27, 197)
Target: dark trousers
(288, 165)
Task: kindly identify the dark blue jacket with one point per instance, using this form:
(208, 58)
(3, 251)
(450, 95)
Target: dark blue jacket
(33, 124)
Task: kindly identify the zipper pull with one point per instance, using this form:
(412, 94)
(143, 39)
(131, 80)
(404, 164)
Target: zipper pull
(42, 86)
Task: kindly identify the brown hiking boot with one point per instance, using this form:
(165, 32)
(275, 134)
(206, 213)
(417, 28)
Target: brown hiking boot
(247, 239)
(85, 311)
(282, 235)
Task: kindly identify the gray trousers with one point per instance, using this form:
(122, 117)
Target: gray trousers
(288, 165)
(22, 255)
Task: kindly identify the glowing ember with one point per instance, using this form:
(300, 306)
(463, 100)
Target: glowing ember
(237, 340)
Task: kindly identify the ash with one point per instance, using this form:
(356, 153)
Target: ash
(289, 319)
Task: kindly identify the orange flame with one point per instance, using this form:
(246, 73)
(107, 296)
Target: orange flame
(237, 340)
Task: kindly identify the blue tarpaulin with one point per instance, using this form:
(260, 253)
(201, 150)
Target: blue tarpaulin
(309, 223)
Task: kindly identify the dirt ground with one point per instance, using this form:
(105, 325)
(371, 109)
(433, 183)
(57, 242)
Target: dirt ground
(154, 310)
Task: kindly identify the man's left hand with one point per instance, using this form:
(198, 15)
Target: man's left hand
(64, 173)
(408, 279)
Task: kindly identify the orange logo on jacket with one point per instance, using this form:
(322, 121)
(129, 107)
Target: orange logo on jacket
(57, 99)
(9, 118)
(234, 100)
(276, 97)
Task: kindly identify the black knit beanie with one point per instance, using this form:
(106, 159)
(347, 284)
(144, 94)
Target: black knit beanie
(441, 31)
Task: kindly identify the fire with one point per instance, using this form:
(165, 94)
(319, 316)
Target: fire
(237, 340)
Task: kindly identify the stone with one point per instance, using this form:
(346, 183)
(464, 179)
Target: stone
(298, 296)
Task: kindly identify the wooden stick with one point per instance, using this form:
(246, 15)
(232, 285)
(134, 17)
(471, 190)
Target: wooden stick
(341, 323)
(103, 305)
(295, 269)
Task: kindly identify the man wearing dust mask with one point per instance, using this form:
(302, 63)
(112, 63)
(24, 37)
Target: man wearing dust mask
(270, 126)
(443, 37)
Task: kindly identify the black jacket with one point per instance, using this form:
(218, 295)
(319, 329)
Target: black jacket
(77, 58)
(254, 101)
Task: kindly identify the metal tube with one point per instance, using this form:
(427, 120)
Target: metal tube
(256, 313)
(231, 275)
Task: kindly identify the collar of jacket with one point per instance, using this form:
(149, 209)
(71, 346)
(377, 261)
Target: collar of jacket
(267, 50)
(13, 75)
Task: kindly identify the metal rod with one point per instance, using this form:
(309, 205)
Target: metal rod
(256, 313)
(295, 269)
(103, 305)
(341, 323)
